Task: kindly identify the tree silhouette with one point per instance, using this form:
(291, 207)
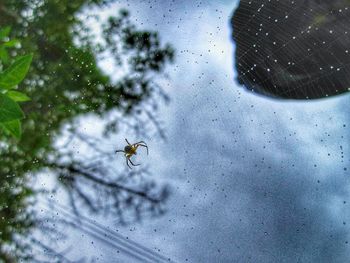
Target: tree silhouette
(64, 82)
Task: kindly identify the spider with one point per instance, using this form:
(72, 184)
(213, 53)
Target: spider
(130, 150)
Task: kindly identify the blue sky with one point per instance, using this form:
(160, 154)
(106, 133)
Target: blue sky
(253, 179)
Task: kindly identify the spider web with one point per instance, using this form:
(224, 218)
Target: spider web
(296, 49)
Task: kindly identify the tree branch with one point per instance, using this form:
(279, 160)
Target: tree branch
(74, 170)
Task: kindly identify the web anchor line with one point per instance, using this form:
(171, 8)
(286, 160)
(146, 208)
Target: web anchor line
(110, 237)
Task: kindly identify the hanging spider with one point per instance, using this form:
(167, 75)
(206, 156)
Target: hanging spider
(130, 150)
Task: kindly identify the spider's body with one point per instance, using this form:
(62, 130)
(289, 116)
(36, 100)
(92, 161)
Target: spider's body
(130, 150)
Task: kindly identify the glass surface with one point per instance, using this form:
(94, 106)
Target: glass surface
(174, 131)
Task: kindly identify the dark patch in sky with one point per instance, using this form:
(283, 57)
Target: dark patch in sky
(293, 49)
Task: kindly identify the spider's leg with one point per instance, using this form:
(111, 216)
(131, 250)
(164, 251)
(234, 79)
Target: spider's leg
(133, 163)
(127, 162)
(141, 142)
(127, 141)
(144, 146)
(119, 151)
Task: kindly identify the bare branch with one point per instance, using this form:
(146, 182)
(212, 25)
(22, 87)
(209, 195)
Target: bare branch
(112, 185)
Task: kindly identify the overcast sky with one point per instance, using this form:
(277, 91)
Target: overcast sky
(253, 179)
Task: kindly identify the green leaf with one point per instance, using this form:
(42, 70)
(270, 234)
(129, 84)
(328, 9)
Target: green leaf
(5, 32)
(13, 127)
(11, 43)
(15, 73)
(4, 57)
(17, 96)
(9, 109)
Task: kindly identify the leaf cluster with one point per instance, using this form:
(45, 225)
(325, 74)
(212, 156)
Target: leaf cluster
(10, 77)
